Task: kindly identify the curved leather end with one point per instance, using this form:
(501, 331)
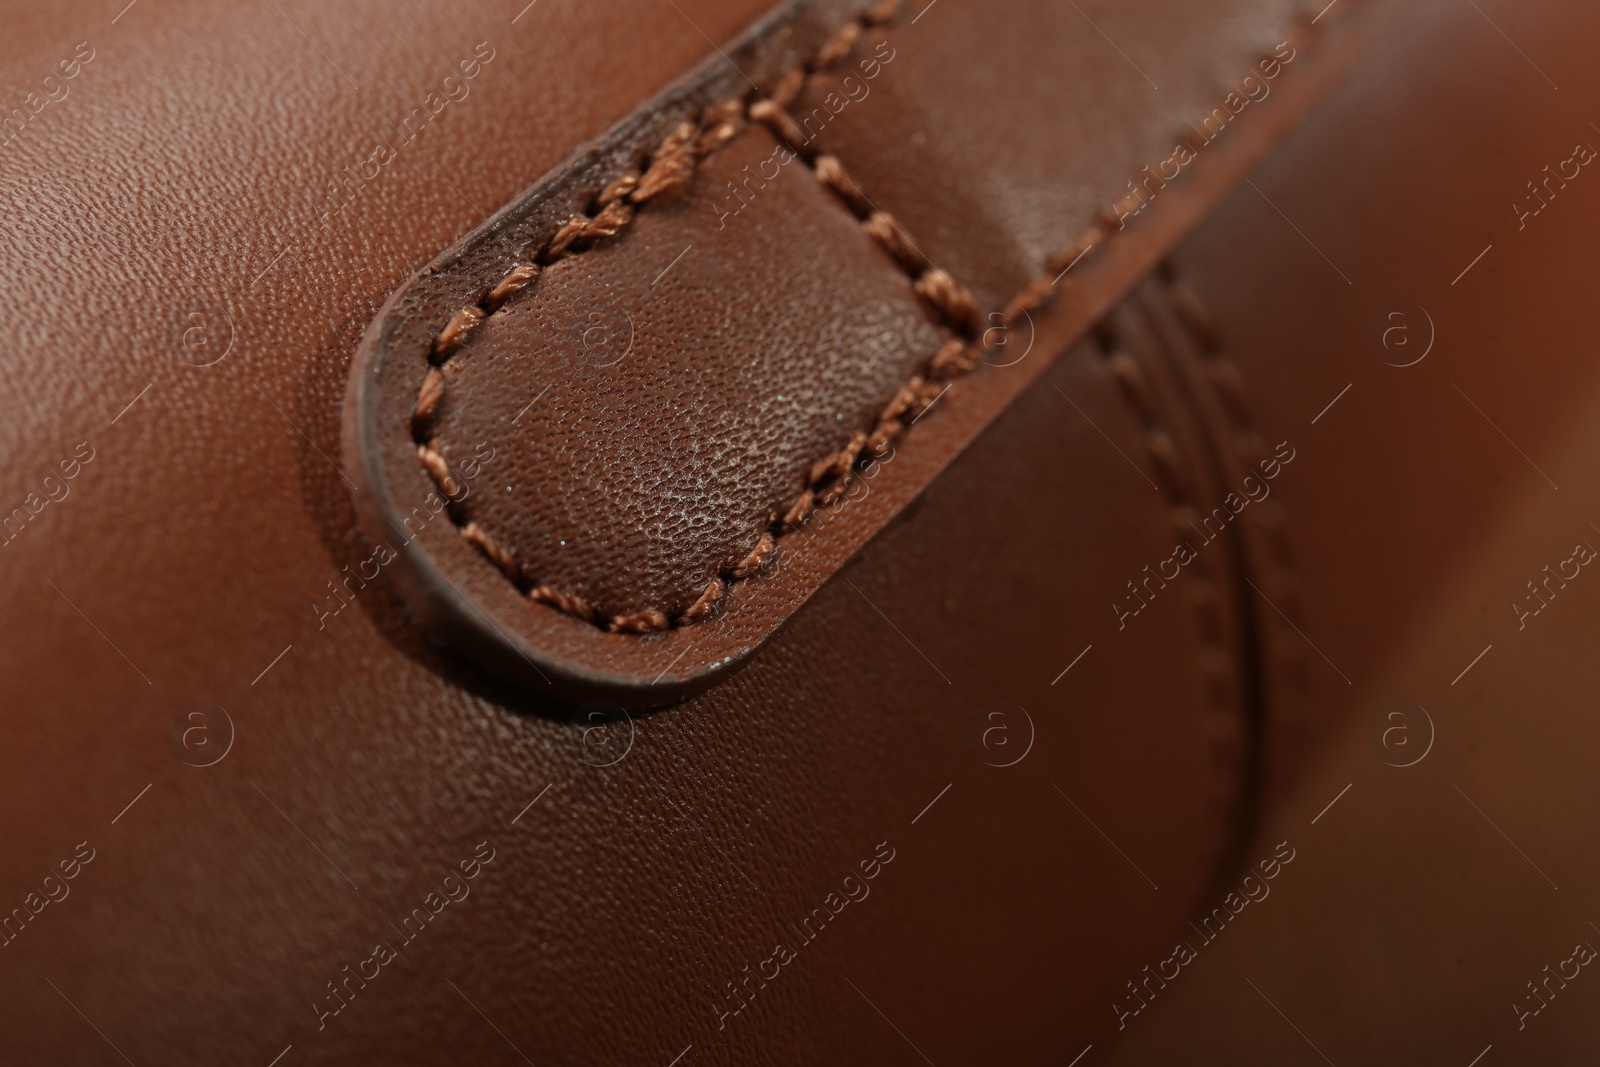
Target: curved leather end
(616, 437)
(463, 384)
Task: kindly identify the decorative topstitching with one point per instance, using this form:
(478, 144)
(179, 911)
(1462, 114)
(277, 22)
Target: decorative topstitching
(671, 167)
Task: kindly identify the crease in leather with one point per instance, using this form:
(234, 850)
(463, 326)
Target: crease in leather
(1147, 364)
(1215, 392)
(674, 164)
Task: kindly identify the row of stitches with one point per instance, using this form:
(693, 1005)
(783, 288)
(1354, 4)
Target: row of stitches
(1176, 477)
(666, 174)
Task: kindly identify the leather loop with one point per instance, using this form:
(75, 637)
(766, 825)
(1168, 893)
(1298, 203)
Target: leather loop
(679, 363)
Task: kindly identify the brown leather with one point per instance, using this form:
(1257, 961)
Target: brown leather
(272, 766)
(659, 433)
(641, 476)
(1424, 901)
(983, 762)
(997, 167)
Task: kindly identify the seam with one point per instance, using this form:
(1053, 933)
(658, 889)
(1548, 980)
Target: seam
(1173, 467)
(1220, 672)
(1206, 372)
(668, 171)
(1279, 726)
(1249, 448)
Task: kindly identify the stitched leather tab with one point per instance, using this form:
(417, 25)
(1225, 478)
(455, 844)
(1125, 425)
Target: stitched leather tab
(658, 400)
(623, 431)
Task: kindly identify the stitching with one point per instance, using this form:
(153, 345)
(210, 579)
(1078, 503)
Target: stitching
(1250, 448)
(1274, 563)
(666, 173)
(1217, 665)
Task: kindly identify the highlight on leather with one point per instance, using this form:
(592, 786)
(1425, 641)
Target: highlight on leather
(495, 343)
(798, 531)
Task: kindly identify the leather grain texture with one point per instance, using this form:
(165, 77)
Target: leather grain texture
(273, 769)
(671, 432)
(1014, 157)
(1440, 507)
(634, 482)
(233, 763)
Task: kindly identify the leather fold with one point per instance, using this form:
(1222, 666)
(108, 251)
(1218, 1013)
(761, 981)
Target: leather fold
(619, 434)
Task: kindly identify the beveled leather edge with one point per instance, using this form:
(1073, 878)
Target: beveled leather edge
(572, 660)
(777, 43)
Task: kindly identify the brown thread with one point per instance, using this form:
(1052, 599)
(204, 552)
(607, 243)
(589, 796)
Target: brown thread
(564, 602)
(670, 169)
(708, 600)
(439, 470)
(1216, 663)
(512, 284)
(1227, 385)
(455, 331)
(1251, 450)
(757, 558)
(838, 46)
(489, 547)
(428, 399)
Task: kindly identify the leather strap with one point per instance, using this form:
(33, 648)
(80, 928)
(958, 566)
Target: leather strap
(680, 362)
